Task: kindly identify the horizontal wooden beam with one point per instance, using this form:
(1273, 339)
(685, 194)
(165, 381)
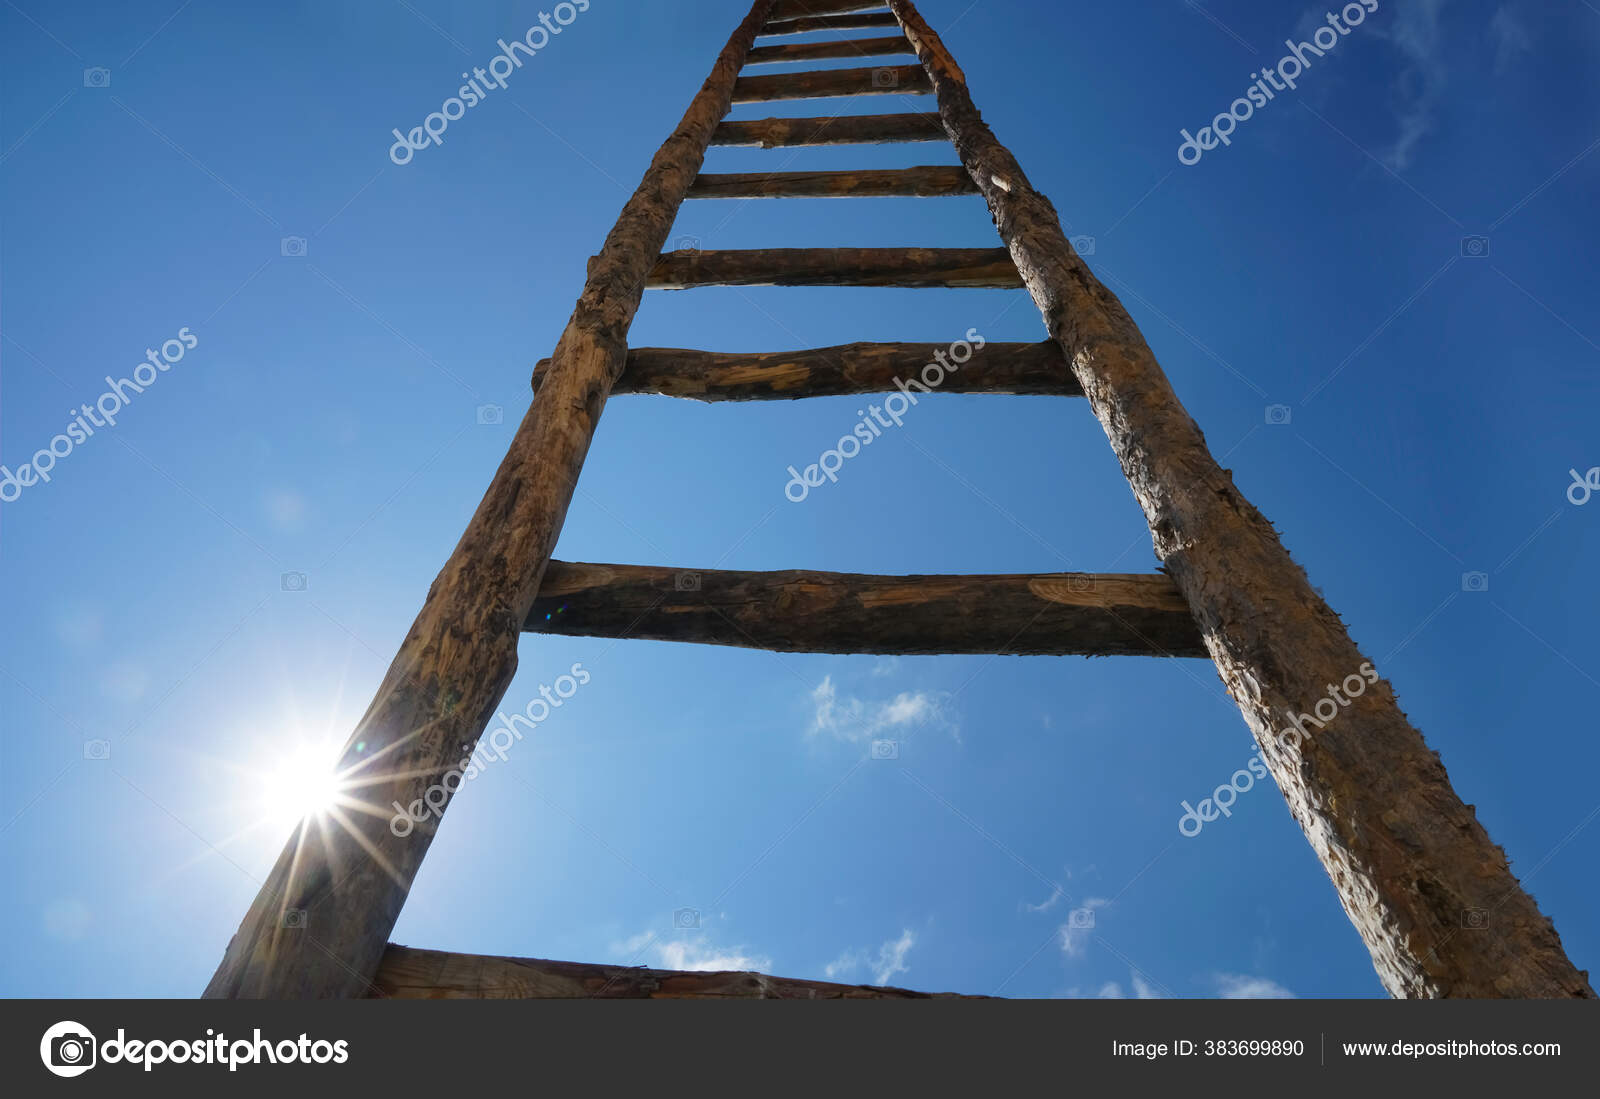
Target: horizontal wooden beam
(999, 368)
(933, 181)
(807, 24)
(410, 974)
(1056, 614)
(796, 9)
(826, 83)
(862, 129)
(821, 51)
(915, 267)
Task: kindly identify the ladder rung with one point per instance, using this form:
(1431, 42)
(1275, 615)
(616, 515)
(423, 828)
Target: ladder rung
(800, 9)
(866, 21)
(849, 129)
(1000, 368)
(913, 267)
(410, 974)
(826, 83)
(1056, 614)
(819, 51)
(926, 182)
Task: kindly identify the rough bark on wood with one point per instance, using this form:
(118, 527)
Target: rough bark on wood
(808, 24)
(1000, 368)
(932, 181)
(827, 83)
(346, 883)
(927, 267)
(410, 974)
(822, 51)
(1413, 867)
(1050, 614)
(866, 129)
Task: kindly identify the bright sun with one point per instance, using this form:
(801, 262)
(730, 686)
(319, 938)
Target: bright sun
(302, 785)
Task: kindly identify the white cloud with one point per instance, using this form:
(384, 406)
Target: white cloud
(889, 960)
(855, 719)
(1511, 39)
(1415, 33)
(693, 955)
(885, 665)
(1111, 990)
(700, 957)
(1048, 903)
(1075, 933)
(1236, 986)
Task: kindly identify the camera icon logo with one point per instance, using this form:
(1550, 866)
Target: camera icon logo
(68, 1049)
(885, 749)
(885, 78)
(294, 919)
(686, 581)
(1080, 582)
(97, 78)
(1083, 245)
(1279, 414)
(293, 246)
(686, 919)
(293, 581)
(1475, 247)
(1474, 581)
(1474, 919)
(97, 749)
(490, 415)
(1081, 918)
(688, 244)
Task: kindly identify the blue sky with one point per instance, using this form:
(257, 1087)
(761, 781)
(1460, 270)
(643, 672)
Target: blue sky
(326, 423)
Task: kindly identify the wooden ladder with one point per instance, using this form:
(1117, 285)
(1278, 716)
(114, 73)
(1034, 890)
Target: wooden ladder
(1408, 859)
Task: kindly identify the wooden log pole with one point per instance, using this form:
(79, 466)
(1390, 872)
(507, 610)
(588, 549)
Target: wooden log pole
(931, 181)
(1051, 614)
(997, 368)
(865, 129)
(990, 268)
(828, 83)
(410, 974)
(345, 883)
(1413, 867)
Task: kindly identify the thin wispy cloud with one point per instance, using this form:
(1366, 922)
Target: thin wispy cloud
(1415, 33)
(850, 718)
(696, 955)
(1235, 986)
(889, 960)
(1048, 903)
(1510, 37)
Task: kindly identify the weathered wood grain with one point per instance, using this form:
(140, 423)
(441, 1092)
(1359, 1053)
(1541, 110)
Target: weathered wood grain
(866, 129)
(828, 83)
(823, 51)
(1054, 614)
(1408, 859)
(916, 267)
(932, 181)
(807, 24)
(410, 974)
(999, 368)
